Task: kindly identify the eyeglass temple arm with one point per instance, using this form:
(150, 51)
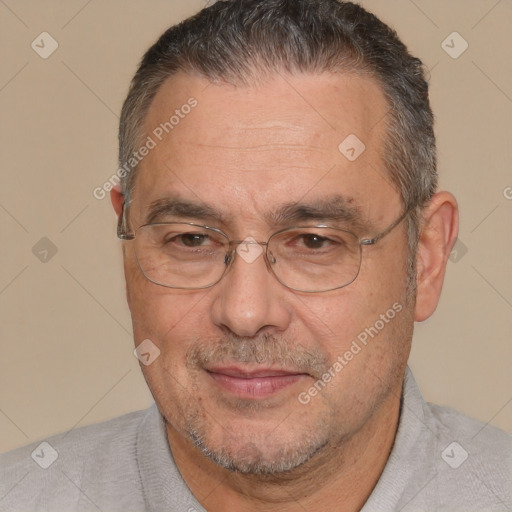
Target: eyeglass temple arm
(121, 225)
(375, 239)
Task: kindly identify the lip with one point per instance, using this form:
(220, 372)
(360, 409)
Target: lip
(253, 383)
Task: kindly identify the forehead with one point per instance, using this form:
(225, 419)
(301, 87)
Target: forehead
(318, 107)
(249, 146)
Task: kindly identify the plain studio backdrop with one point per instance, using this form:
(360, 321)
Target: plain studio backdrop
(66, 345)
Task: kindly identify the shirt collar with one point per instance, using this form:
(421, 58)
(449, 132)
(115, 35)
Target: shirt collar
(409, 468)
(163, 486)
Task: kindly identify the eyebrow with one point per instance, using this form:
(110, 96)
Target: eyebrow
(335, 209)
(176, 207)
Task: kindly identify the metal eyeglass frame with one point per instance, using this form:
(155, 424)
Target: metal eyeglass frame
(123, 235)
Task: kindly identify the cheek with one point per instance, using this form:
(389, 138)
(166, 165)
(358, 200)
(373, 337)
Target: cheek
(368, 344)
(335, 320)
(164, 316)
(158, 313)
(171, 321)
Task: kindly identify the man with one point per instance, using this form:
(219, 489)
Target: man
(282, 232)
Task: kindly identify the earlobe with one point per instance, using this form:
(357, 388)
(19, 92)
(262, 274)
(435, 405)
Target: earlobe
(438, 233)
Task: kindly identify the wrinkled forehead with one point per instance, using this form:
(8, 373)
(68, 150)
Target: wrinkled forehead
(313, 108)
(280, 140)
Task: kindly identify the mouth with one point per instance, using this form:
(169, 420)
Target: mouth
(253, 383)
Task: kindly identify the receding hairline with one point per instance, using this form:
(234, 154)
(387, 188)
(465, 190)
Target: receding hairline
(145, 129)
(262, 81)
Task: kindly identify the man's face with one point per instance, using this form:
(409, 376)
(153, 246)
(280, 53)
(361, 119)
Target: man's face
(239, 360)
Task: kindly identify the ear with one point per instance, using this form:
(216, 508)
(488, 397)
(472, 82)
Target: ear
(117, 198)
(438, 232)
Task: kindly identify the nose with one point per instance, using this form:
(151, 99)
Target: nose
(249, 299)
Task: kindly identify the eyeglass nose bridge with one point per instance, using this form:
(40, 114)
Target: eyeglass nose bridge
(234, 244)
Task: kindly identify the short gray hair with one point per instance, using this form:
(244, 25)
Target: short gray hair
(243, 41)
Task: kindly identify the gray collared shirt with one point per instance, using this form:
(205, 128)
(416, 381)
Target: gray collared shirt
(440, 461)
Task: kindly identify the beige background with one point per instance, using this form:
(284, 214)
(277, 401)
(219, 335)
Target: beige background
(66, 346)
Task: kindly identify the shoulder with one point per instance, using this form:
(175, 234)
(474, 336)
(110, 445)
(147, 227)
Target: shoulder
(60, 472)
(444, 460)
(474, 460)
(79, 443)
(482, 440)
(444, 425)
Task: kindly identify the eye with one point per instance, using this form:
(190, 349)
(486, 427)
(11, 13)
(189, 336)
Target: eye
(314, 241)
(192, 239)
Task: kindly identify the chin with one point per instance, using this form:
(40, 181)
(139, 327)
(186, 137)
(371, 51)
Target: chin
(257, 451)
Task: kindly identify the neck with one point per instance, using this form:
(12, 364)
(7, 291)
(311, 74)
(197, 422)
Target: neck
(341, 476)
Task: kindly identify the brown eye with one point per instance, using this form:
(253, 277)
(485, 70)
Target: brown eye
(193, 239)
(312, 241)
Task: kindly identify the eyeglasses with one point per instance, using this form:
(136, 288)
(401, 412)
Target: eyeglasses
(190, 256)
